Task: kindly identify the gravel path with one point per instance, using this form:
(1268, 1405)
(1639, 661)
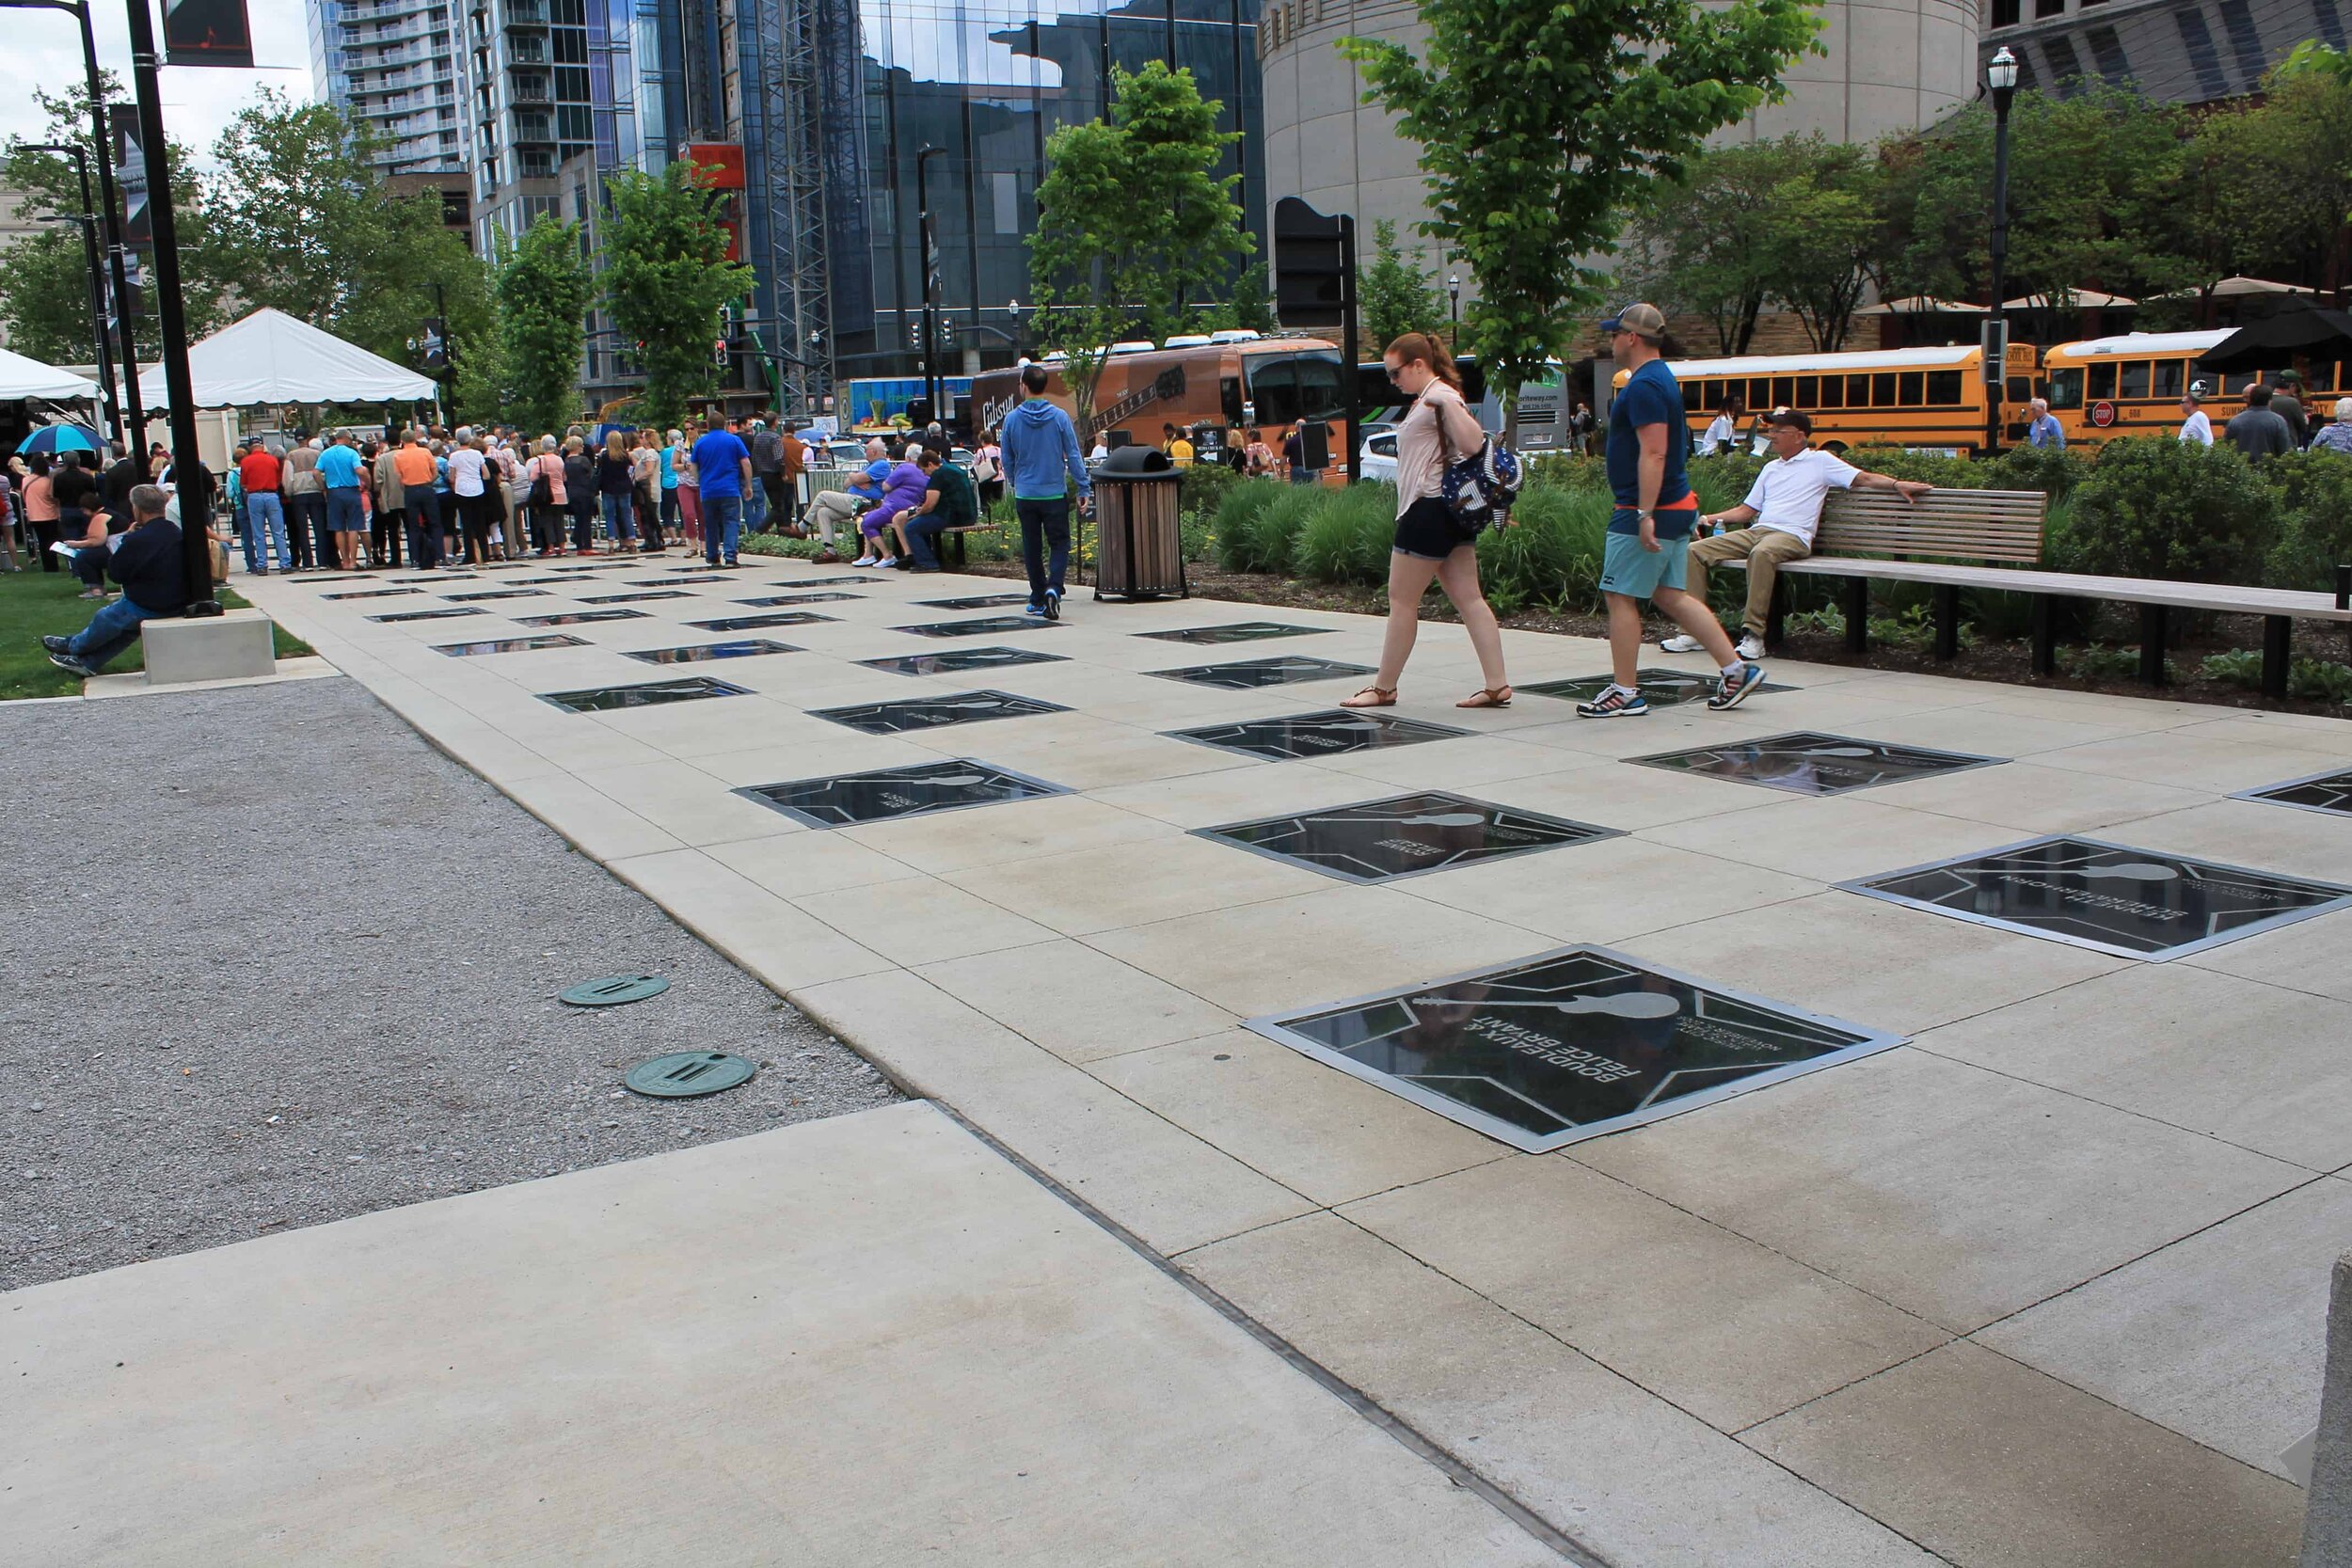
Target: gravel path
(270, 960)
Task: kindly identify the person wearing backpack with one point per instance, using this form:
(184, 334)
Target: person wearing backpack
(1431, 541)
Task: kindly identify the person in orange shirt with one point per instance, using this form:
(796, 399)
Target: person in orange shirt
(414, 465)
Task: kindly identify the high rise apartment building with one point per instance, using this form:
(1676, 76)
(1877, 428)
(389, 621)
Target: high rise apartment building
(393, 66)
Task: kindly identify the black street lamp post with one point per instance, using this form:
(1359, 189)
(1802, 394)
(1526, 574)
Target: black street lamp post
(1454, 312)
(87, 219)
(2000, 80)
(931, 276)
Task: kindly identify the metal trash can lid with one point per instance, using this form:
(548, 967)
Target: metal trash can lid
(1125, 464)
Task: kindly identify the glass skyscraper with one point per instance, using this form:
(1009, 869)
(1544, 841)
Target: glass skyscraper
(987, 82)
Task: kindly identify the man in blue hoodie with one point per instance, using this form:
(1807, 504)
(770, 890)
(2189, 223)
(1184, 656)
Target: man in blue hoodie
(1042, 456)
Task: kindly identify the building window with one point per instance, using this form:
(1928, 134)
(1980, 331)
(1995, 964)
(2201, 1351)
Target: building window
(1006, 189)
(2331, 25)
(2197, 39)
(2045, 9)
(2066, 68)
(2107, 50)
(2237, 20)
(2003, 14)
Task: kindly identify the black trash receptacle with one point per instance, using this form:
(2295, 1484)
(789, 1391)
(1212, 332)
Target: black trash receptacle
(1140, 549)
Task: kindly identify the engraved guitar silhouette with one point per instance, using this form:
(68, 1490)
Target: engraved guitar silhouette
(2129, 871)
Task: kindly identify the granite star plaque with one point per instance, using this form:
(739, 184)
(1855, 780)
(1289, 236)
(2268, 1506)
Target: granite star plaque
(500, 594)
(760, 622)
(986, 626)
(750, 647)
(1569, 1045)
(976, 601)
(1660, 688)
(1805, 762)
(924, 713)
(1316, 734)
(2328, 792)
(2110, 897)
(604, 699)
(636, 596)
(509, 645)
(798, 598)
(1251, 674)
(889, 793)
(579, 617)
(373, 593)
(1238, 632)
(957, 660)
(1407, 835)
(447, 612)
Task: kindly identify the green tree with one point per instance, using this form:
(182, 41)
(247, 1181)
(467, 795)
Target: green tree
(1131, 223)
(1705, 246)
(1394, 293)
(1542, 127)
(666, 274)
(483, 387)
(44, 279)
(544, 289)
(2093, 184)
(2266, 182)
(305, 223)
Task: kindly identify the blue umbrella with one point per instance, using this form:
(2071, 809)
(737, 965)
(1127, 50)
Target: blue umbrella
(61, 437)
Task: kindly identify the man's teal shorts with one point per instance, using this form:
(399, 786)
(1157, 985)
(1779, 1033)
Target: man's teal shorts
(1628, 569)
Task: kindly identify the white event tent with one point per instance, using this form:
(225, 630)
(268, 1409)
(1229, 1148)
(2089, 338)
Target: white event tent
(21, 377)
(271, 357)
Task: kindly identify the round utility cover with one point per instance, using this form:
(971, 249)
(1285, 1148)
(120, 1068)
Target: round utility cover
(687, 1073)
(613, 989)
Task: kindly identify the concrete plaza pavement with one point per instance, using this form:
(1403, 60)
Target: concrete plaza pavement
(2043, 1287)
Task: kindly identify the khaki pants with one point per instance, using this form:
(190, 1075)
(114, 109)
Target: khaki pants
(1765, 550)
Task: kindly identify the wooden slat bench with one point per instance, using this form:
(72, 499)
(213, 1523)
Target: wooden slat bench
(1991, 539)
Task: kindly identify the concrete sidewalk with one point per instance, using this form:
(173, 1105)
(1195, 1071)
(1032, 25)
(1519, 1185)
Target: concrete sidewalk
(2041, 1288)
(862, 1341)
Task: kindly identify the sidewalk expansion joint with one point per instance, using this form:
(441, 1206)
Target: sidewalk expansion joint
(1535, 1526)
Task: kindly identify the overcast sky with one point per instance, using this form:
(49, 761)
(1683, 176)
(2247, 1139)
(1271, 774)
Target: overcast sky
(45, 49)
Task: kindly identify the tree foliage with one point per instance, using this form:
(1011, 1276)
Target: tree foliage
(666, 274)
(1394, 293)
(544, 290)
(44, 279)
(1133, 223)
(1542, 127)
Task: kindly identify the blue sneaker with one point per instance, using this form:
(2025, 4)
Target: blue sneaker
(1615, 703)
(1733, 689)
(1037, 612)
(1053, 604)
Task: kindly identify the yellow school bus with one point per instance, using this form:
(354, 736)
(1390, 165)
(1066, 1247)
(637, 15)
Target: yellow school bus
(2131, 385)
(1906, 397)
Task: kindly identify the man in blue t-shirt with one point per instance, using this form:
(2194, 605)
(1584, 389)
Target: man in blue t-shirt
(723, 464)
(347, 517)
(1647, 554)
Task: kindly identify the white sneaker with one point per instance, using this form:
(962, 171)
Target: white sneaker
(886, 560)
(1751, 646)
(1682, 642)
(863, 560)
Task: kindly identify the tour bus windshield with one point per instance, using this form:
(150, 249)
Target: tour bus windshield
(1290, 387)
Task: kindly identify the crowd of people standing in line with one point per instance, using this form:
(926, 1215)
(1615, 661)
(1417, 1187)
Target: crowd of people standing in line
(466, 496)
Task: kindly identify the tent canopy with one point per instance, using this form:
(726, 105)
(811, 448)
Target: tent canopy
(21, 377)
(271, 357)
(1921, 305)
(2259, 345)
(2239, 288)
(2084, 299)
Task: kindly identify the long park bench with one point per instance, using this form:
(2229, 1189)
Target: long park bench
(951, 538)
(1955, 539)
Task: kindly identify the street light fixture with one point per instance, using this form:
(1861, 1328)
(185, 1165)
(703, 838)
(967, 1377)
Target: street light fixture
(2000, 80)
(1454, 309)
(930, 274)
(88, 218)
(118, 269)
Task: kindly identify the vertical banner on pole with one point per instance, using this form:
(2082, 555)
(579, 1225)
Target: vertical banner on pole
(207, 32)
(131, 175)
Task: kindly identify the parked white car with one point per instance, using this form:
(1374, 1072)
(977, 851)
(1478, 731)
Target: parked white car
(1377, 460)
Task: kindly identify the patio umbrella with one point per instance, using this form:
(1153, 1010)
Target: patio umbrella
(61, 437)
(2259, 345)
(1921, 305)
(2084, 299)
(2239, 288)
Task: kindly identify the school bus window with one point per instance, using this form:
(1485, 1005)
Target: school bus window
(1808, 392)
(1784, 392)
(2020, 388)
(2132, 379)
(1882, 391)
(2101, 381)
(1943, 386)
(2168, 380)
(1857, 391)
(1914, 388)
(2066, 387)
(1691, 391)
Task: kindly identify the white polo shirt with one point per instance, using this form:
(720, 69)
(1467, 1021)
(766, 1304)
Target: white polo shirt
(1787, 495)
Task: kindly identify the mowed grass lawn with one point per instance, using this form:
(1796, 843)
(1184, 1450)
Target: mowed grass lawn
(36, 604)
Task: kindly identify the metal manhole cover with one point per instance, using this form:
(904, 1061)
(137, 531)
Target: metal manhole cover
(687, 1073)
(613, 989)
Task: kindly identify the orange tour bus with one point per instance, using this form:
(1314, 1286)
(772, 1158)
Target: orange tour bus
(1225, 382)
(1931, 397)
(2131, 385)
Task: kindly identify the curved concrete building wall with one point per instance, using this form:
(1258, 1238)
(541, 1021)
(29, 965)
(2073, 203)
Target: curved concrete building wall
(1891, 67)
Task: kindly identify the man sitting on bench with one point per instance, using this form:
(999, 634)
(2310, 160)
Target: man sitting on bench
(147, 561)
(1785, 505)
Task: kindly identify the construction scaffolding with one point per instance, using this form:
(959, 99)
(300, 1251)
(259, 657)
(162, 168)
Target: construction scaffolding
(784, 151)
